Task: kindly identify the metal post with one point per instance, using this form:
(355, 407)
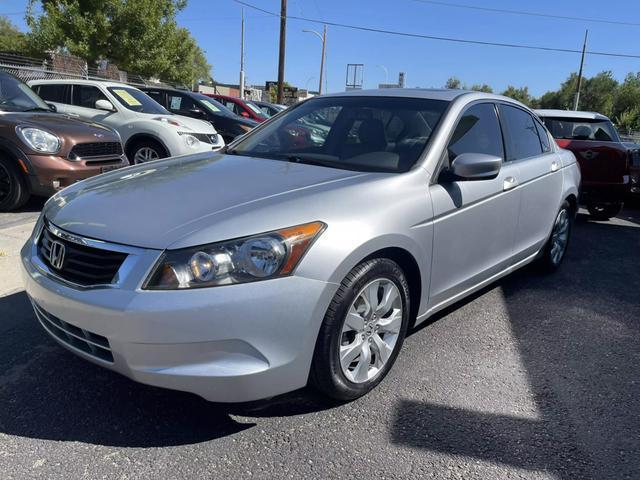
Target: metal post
(283, 35)
(324, 46)
(242, 59)
(584, 49)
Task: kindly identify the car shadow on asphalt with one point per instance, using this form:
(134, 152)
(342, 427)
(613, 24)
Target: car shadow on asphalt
(578, 336)
(49, 393)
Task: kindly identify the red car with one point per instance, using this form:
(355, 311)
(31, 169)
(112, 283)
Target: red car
(244, 108)
(605, 161)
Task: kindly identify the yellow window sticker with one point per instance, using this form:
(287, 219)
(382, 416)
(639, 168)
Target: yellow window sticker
(127, 97)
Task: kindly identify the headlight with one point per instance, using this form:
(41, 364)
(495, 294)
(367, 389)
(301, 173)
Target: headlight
(190, 140)
(39, 140)
(259, 257)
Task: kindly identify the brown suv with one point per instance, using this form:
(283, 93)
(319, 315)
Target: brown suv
(42, 151)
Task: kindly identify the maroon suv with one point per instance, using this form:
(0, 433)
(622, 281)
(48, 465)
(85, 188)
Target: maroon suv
(604, 159)
(42, 151)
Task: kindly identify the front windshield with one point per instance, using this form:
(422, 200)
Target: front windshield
(15, 96)
(581, 129)
(256, 109)
(138, 101)
(214, 106)
(384, 134)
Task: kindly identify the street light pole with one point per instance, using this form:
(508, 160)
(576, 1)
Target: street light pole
(242, 59)
(584, 49)
(323, 39)
(386, 73)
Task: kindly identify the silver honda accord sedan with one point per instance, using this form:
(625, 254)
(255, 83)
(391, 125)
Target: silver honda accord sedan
(303, 252)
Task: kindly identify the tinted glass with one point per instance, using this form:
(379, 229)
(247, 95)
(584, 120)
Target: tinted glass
(178, 101)
(156, 95)
(381, 134)
(87, 95)
(544, 137)
(521, 134)
(214, 106)
(582, 129)
(478, 131)
(138, 101)
(53, 93)
(16, 96)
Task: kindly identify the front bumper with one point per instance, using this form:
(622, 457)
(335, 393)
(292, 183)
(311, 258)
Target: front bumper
(229, 344)
(49, 173)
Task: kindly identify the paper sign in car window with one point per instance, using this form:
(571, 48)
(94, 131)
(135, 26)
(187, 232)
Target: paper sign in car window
(127, 97)
(175, 103)
(211, 107)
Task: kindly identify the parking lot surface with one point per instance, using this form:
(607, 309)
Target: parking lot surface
(535, 377)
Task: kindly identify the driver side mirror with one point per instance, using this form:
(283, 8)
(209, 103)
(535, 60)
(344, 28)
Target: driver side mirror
(476, 166)
(103, 104)
(197, 113)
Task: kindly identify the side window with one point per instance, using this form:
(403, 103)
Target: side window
(87, 96)
(156, 95)
(521, 134)
(52, 93)
(544, 137)
(180, 102)
(478, 131)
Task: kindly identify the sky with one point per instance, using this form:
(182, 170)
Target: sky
(427, 63)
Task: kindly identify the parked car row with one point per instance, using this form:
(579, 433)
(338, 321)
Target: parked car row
(60, 131)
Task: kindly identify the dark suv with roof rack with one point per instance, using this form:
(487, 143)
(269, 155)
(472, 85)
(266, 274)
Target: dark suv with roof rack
(42, 151)
(196, 105)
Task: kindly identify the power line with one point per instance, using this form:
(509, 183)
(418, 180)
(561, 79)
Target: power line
(530, 14)
(433, 37)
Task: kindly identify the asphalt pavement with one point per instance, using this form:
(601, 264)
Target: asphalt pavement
(535, 377)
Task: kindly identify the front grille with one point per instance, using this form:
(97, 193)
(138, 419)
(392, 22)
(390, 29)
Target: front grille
(211, 138)
(90, 343)
(81, 265)
(95, 149)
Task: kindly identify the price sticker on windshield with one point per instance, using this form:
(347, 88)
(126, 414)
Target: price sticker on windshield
(127, 97)
(211, 106)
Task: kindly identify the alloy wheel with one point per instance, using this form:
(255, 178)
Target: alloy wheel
(560, 236)
(5, 183)
(145, 154)
(370, 331)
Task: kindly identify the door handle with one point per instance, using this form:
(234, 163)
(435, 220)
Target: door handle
(509, 183)
(554, 166)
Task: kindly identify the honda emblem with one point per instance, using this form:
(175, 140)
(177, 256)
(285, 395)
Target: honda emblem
(56, 255)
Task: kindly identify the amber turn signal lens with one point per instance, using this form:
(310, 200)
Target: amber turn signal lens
(298, 240)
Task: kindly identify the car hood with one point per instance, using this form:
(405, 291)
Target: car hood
(193, 124)
(159, 204)
(56, 123)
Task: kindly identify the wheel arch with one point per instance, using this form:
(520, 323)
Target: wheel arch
(144, 136)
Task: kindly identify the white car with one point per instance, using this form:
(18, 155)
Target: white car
(148, 130)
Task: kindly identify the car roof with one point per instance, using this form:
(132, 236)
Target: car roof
(570, 114)
(79, 81)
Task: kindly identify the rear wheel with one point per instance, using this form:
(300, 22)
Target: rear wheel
(558, 242)
(604, 211)
(143, 151)
(362, 331)
(13, 187)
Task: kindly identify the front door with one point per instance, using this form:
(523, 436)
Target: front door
(474, 220)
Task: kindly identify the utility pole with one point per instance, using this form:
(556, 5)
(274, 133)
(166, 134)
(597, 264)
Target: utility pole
(323, 39)
(584, 49)
(283, 39)
(242, 59)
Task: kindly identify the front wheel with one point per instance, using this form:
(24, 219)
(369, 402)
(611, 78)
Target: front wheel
(558, 242)
(604, 211)
(144, 151)
(14, 192)
(362, 331)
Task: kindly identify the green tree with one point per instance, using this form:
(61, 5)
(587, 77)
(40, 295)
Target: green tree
(11, 39)
(139, 36)
(482, 88)
(520, 94)
(598, 93)
(273, 92)
(453, 83)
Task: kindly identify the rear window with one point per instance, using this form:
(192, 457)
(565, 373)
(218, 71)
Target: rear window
(52, 93)
(521, 134)
(581, 129)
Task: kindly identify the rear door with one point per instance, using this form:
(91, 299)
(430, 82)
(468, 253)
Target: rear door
(539, 178)
(55, 93)
(83, 101)
(474, 220)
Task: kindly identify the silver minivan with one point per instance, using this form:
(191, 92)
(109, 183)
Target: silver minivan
(303, 251)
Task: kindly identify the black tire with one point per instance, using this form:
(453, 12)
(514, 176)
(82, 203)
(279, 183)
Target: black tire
(604, 211)
(14, 191)
(146, 143)
(326, 373)
(549, 262)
